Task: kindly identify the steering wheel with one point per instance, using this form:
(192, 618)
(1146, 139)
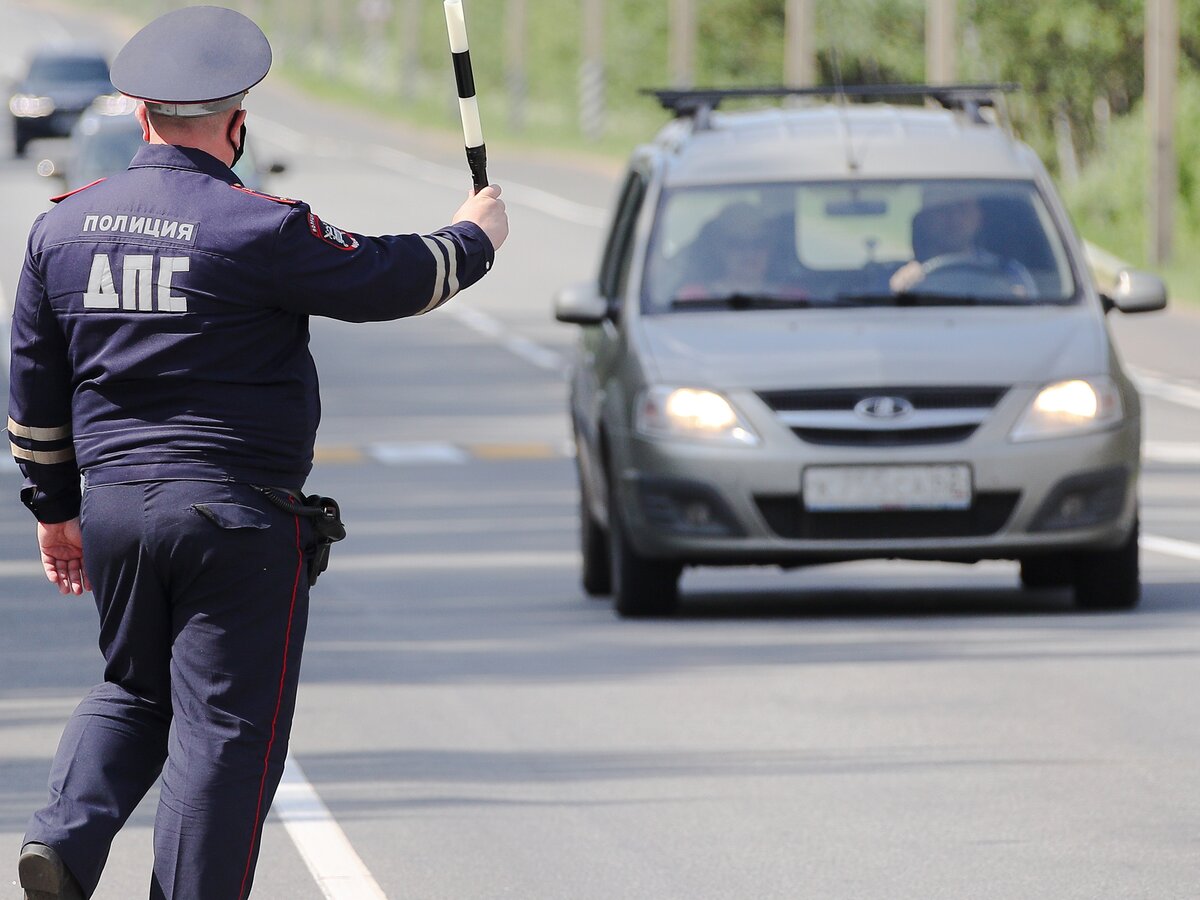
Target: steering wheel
(979, 274)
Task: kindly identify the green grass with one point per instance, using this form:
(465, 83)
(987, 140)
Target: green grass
(1108, 204)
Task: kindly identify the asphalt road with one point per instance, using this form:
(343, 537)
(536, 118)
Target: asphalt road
(470, 726)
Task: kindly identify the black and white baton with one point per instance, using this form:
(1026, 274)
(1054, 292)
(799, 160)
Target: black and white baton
(468, 106)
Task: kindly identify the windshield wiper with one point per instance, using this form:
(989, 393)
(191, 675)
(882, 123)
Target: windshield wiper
(742, 300)
(920, 298)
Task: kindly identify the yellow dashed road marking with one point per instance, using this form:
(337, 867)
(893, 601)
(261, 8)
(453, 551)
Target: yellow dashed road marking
(336, 454)
(512, 451)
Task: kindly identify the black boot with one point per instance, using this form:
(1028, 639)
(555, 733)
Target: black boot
(43, 875)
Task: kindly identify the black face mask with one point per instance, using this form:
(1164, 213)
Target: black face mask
(238, 148)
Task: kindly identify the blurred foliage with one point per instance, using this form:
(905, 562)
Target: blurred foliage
(1108, 202)
(1078, 59)
(1066, 54)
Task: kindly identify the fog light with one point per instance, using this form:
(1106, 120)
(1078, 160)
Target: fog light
(697, 515)
(685, 507)
(1083, 501)
(1072, 507)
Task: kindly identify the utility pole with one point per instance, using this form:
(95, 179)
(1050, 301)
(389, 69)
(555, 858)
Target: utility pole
(517, 44)
(591, 71)
(410, 48)
(800, 44)
(941, 41)
(1162, 71)
(681, 50)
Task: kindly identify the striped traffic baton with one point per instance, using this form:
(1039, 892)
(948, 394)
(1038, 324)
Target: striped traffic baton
(468, 106)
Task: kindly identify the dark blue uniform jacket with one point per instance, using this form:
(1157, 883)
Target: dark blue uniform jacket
(160, 328)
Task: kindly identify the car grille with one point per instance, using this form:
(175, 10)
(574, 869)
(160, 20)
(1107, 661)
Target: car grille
(918, 415)
(788, 518)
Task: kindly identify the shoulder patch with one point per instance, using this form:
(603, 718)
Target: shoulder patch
(287, 201)
(335, 237)
(61, 197)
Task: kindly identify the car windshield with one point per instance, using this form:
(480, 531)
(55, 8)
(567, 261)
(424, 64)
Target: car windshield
(871, 243)
(67, 69)
(107, 151)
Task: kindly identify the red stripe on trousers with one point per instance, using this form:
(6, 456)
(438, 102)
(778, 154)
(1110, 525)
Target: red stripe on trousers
(287, 641)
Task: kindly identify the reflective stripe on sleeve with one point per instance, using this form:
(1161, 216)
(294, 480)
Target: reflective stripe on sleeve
(451, 266)
(16, 429)
(43, 457)
(438, 250)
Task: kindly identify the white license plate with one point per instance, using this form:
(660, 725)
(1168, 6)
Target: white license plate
(877, 488)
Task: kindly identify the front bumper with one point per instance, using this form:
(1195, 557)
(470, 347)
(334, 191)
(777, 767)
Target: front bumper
(743, 505)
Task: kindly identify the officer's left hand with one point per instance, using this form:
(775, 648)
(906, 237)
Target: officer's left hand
(61, 544)
(486, 210)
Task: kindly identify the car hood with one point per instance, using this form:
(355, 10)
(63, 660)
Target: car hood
(764, 350)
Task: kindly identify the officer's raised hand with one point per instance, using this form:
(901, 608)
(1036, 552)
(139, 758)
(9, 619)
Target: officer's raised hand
(486, 210)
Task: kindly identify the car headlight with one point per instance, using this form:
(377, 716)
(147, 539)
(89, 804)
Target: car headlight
(692, 413)
(1068, 408)
(30, 106)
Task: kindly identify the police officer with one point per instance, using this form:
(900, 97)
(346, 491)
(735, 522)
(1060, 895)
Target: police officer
(160, 350)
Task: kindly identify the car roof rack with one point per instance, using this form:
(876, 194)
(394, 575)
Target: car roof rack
(697, 103)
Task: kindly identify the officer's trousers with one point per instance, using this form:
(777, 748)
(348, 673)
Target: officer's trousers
(202, 591)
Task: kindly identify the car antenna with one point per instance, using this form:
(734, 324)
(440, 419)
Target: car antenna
(842, 103)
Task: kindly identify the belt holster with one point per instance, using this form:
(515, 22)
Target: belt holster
(326, 519)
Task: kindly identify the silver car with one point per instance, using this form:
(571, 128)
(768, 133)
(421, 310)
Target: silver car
(846, 331)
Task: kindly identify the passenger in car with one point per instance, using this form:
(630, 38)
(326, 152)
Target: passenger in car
(735, 253)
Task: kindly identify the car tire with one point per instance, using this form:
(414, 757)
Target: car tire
(1041, 572)
(20, 142)
(641, 587)
(1109, 579)
(593, 547)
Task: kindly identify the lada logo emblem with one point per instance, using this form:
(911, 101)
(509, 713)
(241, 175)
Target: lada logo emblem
(883, 408)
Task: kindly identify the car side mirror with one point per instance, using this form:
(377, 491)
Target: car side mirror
(581, 304)
(1135, 291)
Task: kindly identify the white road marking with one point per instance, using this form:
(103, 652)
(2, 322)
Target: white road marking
(335, 866)
(20, 568)
(521, 347)
(1185, 452)
(1170, 547)
(1166, 388)
(432, 173)
(411, 453)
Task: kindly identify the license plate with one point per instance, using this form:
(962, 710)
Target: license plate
(878, 488)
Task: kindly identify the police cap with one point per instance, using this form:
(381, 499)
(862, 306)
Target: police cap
(193, 61)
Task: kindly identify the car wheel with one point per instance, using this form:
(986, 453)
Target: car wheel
(593, 546)
(1038, 572)
(1109, 579)
(640, 586)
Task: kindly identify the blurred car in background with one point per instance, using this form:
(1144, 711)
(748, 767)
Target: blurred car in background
(60, 83)
(108, 135)
(838, 331)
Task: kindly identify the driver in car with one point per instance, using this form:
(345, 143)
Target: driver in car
(945, 240)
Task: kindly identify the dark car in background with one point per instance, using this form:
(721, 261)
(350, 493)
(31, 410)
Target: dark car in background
(60, 83)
